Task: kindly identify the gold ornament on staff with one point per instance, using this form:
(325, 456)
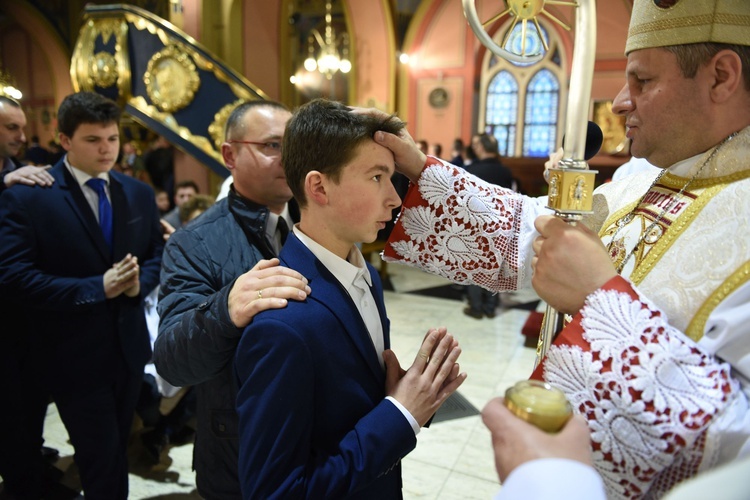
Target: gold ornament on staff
(573, 181)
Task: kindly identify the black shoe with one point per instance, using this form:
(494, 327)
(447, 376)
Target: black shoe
(154, 443)
(474, 314)
(50, 454)
(490, 314)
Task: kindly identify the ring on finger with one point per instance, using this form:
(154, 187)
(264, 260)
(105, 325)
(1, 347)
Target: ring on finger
(260, 294)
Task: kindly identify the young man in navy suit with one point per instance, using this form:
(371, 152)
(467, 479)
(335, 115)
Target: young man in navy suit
(325, 409)
(79, 255)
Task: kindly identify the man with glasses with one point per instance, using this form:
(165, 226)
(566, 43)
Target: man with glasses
(216, 275)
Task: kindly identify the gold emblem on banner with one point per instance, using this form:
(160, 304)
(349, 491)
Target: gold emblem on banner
(103, 69)
(171, 79)
(108, 67)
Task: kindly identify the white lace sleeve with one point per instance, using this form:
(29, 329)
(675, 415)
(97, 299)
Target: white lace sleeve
(651, 395)
(457, 226)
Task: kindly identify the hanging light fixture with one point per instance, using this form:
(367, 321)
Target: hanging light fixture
(329, 59)
(7, 89)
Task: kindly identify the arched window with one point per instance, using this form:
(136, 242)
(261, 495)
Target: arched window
(519, 103)
(540, 119)
(502, 110)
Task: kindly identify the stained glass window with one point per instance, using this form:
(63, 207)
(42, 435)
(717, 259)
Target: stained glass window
(529, 45)
(540, 118)
(502, 111)
(522, 105)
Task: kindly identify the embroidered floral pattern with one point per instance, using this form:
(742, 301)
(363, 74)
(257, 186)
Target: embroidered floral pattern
(467, 230)
(648, 393)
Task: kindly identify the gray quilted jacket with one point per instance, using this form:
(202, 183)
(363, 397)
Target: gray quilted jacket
(197, 339)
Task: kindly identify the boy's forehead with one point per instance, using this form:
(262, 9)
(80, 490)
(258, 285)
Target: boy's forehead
(97, 129)
(372, 156)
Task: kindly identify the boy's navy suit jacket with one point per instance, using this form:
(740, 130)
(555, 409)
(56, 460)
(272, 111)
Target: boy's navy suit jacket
(313, 419)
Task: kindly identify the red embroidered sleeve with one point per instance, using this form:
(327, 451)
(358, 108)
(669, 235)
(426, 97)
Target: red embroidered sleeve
(457, 226)
(648, 391)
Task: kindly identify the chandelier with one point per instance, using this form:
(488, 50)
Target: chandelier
(7, 89)
(329, 59)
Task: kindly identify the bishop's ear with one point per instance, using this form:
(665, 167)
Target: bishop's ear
(726, 68)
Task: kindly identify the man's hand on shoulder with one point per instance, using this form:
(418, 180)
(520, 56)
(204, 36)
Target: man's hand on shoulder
(433, 376)
(123, 277)
(266, 286)
(29, 175)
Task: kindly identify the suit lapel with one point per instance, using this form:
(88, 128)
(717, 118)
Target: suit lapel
(119, 218)
(377, 292)
(333, 296)
(77, 201)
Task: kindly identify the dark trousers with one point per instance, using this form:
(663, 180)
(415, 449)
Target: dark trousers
(98, 421)
(149, 402)
(24, 403)
(481, 300)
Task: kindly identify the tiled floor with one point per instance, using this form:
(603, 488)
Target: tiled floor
(453, 459)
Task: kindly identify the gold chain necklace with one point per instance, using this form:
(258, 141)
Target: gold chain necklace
(631, 215)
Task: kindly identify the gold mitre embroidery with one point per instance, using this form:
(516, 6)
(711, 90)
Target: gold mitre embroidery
(661, 23)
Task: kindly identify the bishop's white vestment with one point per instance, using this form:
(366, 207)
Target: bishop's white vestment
(658, 359)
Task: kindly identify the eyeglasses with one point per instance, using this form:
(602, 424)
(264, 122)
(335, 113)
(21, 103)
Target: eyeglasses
(270, 148)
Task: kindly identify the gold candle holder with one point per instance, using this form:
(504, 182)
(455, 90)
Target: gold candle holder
(539, 404)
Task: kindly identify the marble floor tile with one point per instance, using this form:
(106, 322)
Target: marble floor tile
(459, 486)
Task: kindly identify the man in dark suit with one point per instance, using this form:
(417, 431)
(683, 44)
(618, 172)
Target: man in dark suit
(486, 166)
(21, 424)
(325, 410)
(77, 255)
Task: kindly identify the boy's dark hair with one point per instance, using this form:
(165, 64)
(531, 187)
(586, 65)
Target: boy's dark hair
(323, 135)
(85, 107)
(187, 184)
(233, 130)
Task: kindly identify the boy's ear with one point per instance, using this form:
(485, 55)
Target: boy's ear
(64, 141)
(316, 188)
